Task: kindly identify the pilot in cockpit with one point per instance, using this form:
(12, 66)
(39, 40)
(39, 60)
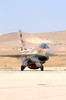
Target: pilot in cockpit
(44, 46)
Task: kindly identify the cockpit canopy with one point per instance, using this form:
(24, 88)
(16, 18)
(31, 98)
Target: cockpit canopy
(44, 46)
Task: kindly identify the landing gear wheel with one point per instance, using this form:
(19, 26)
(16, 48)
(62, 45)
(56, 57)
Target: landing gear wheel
(22, 68)
(42, 68)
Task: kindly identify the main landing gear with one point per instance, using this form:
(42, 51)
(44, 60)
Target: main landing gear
(22, 68)
(42, 68)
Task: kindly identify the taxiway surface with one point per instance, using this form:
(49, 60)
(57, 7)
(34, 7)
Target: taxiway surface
(32, 85)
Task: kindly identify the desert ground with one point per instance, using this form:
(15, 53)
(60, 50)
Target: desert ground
(33, 85)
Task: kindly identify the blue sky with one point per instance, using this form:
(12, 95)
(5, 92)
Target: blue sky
(32, 16)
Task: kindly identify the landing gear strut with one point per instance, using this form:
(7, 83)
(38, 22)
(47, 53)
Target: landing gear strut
(22, 68)
(42, 68)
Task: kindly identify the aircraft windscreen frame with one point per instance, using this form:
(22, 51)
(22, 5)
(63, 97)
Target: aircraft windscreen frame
(44, 46)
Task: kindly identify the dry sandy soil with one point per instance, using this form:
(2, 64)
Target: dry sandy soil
(32, 85)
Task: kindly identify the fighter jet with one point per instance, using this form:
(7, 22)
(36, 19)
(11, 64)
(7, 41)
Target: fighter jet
(32, 58)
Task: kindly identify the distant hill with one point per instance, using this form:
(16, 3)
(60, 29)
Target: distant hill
(11, 41)
(1, 34)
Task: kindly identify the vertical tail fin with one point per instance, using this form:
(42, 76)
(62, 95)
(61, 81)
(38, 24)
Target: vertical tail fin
(22, 41)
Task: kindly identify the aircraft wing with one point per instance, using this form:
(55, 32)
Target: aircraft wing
(20, 55)
(28, 55)
(12, 55)
(60, 54)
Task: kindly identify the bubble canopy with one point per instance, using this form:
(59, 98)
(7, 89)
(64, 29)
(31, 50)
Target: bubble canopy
(44, 46)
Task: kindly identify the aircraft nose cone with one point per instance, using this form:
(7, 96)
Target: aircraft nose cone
(50, 53)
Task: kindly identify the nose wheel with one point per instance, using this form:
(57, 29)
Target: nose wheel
(42, 68)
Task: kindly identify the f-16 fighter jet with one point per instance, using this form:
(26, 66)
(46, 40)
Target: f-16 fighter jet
(31, 57)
